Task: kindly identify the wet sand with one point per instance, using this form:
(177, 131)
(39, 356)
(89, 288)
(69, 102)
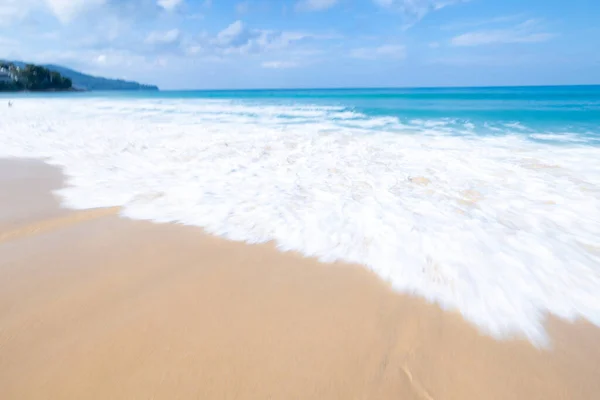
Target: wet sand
(93, 306)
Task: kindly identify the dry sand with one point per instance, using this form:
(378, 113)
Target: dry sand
(93, 306)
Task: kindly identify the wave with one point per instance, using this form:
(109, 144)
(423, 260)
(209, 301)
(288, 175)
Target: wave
(503, 228)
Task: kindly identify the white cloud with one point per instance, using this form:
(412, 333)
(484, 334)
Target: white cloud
(115, 38)
(50, 35)
(87, 60)
(161, 62)
(279, 64)
(67, 10)
(485, 60)
(195, 16)
(315, 5)
(414, 10)
(8, 42)
(167, 37)
(243, 7)
(526, 32)
(230, 34)
(12, 11)
(284, 39)
(389, 51)
(417, 7)
(237, 38)
(107, 31)
(469, 24)
(169, 5)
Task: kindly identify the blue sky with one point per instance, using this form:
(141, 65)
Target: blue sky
(310, 43)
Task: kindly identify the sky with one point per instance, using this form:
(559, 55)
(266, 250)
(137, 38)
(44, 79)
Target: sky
(230, 44)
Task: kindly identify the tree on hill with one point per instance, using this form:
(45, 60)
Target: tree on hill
(35, 78)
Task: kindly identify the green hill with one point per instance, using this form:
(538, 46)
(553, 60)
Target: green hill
(32, 78)
(89, 82)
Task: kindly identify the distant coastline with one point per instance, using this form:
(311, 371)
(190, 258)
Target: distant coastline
(80, 82)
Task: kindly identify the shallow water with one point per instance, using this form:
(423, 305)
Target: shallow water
(483, 200)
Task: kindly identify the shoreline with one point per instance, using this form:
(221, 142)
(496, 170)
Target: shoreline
(96, 306)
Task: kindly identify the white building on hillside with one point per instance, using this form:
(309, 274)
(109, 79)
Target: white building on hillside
(5, 76)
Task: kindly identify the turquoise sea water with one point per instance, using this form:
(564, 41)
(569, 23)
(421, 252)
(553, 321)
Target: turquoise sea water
(483, 200)
(547, 110)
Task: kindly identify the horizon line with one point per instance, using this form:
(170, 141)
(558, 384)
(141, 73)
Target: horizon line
(383, 87)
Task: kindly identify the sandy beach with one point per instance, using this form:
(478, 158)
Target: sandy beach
(94, 306)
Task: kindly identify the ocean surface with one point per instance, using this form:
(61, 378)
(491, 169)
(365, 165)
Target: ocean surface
(483, 200)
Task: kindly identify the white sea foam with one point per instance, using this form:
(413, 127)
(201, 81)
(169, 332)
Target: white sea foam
(559, 137)
(502, 228)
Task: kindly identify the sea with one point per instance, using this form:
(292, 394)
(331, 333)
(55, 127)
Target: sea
(485, 201)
